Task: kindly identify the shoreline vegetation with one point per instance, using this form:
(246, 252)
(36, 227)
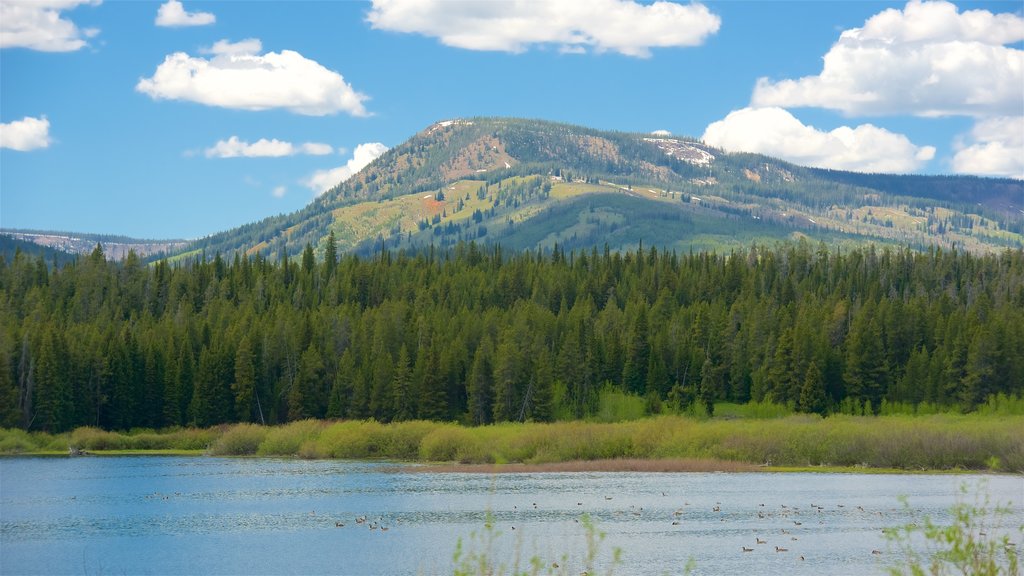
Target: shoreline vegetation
(791, 443)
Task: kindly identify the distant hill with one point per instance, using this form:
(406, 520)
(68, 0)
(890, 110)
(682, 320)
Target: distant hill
(114, 247)
(532, 184)
(10, 246)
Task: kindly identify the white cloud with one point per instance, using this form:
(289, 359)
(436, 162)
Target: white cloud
(172, 13)
(26, 134)
(279, 192)
(39, 25)
(224, 47)
(776, 132)
(237, 76)
(661, 133)
(316, 148)
(323, 180)
(233, 147)
(928, 59)
(623, 26)
(996, 149)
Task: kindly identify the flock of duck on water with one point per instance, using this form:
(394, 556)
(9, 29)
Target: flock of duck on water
(677, 514)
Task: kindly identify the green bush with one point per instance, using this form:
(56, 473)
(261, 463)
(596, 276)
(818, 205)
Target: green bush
(240, 440)
(15, 441)
(288, 439)
(89, 438)
(975, 542)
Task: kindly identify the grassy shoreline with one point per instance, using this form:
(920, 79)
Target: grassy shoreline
(800, 443)
(582, 466)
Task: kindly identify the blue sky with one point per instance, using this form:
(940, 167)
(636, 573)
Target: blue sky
(181, 119)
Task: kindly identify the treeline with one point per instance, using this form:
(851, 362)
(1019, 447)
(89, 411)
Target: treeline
(478, 335)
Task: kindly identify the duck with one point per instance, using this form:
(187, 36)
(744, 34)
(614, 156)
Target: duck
(779, 549)
(745, 549)
(759, 541)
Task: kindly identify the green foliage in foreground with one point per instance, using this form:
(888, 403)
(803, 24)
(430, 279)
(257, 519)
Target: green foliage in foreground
(935, 442)
(975, 543)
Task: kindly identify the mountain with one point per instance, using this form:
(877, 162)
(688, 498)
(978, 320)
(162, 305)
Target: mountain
(115, 247)
(534, 184)
(11, 246)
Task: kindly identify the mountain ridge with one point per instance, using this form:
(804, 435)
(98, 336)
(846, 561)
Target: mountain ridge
(526, 183)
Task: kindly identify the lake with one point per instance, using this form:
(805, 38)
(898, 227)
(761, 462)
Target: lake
(204, 515)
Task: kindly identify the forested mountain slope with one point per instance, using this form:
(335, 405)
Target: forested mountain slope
(479, 334)
(532, 184)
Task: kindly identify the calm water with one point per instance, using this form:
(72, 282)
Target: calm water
(163, 515)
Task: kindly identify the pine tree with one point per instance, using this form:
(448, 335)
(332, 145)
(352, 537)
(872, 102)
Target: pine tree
(9, 416)
(711, 384)
(244, 384)
(979, 380)
(330, 256)
(812, 392)
(401, 384)
(432, 393)
(303, 398)
(343, 388)
(634, 371)
(866, 374)
(53, 401)
(507, 380)
(782, 370)
(480, 387)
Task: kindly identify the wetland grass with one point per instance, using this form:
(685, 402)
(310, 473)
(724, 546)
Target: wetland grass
(797, 442)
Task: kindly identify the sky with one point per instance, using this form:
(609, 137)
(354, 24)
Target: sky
(181, 119)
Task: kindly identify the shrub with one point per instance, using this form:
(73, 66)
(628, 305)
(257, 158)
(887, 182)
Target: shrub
(15, 441)
(240, 440)
(974, 543)
(89, 438)
(288, 439)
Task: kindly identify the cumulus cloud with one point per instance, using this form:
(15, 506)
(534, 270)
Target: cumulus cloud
(224, 47)
(623, 26)
(323, 180)
(234, 147)
(39, 25)
(279, 192)
(661, 133)
(237, 76)
(172, 14)
(996, 148)
(776, 132)
(26, 134)
(927, 59)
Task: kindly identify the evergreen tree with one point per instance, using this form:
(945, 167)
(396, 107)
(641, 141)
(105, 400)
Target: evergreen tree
(710, 384)
(634, 371)
(432, 393)
(404, 406)
(866, 375)
(507, 381)
(244, 385)
(343, 387)
(309, 381)
(480, 387)
(812, 392)
(330, 256)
